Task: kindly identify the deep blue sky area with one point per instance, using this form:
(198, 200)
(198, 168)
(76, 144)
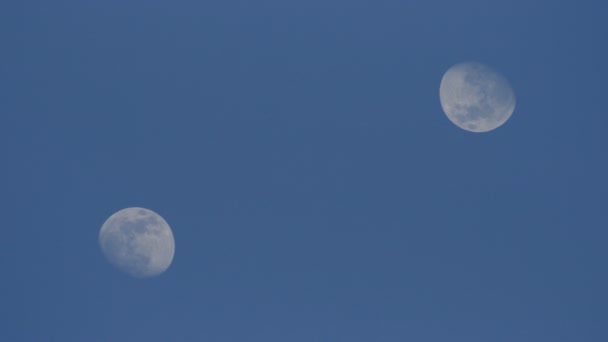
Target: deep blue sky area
(316, 190)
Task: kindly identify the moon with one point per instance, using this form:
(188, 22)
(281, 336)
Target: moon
(138, 242)
(475, 97)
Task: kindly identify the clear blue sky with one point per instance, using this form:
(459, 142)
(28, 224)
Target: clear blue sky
(315, 188)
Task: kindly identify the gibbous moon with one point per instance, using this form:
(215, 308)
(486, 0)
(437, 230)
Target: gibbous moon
(138, 242)
(475, 97)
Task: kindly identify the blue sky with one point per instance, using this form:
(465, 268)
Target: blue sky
(315, 188)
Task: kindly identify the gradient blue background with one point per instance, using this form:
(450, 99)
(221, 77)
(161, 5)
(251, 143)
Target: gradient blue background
(315, 188)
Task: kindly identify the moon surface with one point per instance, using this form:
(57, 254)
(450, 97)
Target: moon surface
(138, 242)
(475, 97)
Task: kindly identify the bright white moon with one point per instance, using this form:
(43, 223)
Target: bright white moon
(475, 97)
(138, 242)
